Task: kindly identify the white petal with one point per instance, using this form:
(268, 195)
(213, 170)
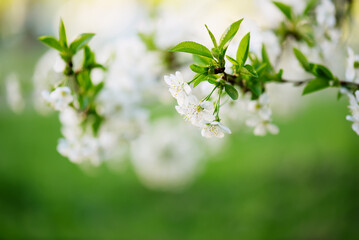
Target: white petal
(187, 88)
(260, 130)
(355, 127)
(350, 73)
(207, 105)
(349, 118)
(252, 122)
(273, 129)
(225, 129)
(45, 95)
(205, 133)
(168, 80)
(357, 95)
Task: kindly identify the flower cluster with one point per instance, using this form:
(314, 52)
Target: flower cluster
(59, 99)
(105, 101)
(97, 116)
(199, 113)
(261, 120)
(353, 107)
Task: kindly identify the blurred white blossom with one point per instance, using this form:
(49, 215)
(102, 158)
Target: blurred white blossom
(352, 67)
(261, 120)
(14, 95)
(166, 157)
(354, 109)
(325, 13)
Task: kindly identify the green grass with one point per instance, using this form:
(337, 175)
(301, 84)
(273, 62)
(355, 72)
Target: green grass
(301, 184)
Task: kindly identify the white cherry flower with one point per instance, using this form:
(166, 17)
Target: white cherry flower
(179, 89)
(261, 126)
(352, 73)
(354, 109)
(59, 99)
(261, 120)
(215, 129)
(261, 107)
(325, 13)
(195, 111)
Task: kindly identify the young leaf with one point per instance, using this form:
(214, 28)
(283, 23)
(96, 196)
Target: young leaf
(232, 60)
(256, 90)
(302, 59)
(260, 68)
(222, 54)
(199, 79)
(202, 60)
(249, 70)
(198, 69)
(285, 9)
(265, 57)
(192, 47)
(229, 33)
(315, 85)
(310, 7)
(322, 72)
(231, 91)
(212, 37)
(51, 42)
(243, 49)
(98, 88)
(62, 34)
(80, 42)
(148, 40)
(89, 58)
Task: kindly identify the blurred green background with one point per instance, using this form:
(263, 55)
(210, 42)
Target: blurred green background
(301, 184)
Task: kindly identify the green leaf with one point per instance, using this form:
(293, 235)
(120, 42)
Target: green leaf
(212, 37)
(279, 75)
(310, 7)
(302, 59)
(228, 35)
(260, 68)
(98, 88)
(322, 72)
(62, 34)
(202, 60)
(89, 57)
(265, 57)
(198, 69)
(81, 42)
(199, 79)
(97, 123)
(315, 85)
(212, 79)
(285, 9)
(51, 42)
(232, 60)
(215, 53)
(148, 40)
(231, 91)
(249, 70)
(243, 49)
(256, 90)
(192, 47)
(221, 56)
